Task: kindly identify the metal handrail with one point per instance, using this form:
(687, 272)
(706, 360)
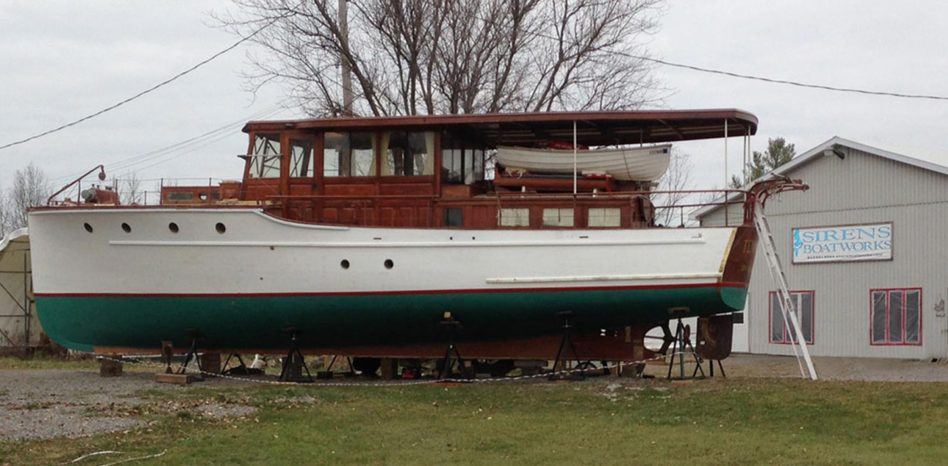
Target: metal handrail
(99, 167)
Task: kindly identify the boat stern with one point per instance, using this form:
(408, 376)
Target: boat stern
(737, 265)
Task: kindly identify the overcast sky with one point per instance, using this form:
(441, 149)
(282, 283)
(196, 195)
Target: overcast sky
(60, 60)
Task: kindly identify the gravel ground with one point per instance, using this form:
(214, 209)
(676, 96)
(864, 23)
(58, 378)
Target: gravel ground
(862, 369)
(49, 403)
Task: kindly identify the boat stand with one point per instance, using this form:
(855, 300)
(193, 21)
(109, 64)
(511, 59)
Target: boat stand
(681, 343)
(565, 350)
(192, 354)
(450, 326)
(711, 368)
(332, 362)
(294, 364)
(167, 353)
(240, 368)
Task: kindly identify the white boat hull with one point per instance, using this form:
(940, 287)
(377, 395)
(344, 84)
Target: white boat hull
(328, 275)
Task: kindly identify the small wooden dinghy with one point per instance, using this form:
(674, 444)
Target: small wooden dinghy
(629, 164)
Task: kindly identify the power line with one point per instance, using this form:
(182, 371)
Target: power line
(785, 81)
(638, 57)
(748, 76)
(215, 134)
(122, 164)
(146, 91)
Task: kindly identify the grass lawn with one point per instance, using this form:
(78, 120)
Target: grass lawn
(593, 422)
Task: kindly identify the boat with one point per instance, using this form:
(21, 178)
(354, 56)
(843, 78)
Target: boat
(363, 236)
(624, 163)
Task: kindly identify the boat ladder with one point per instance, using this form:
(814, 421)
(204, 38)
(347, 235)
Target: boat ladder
(788, 306)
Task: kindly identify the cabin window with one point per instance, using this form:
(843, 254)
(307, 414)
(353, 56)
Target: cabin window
(558, 217)
(896, 317)
(462, 162)
(453, 217)
(301, 158)
(803, 302)
(408, 154)
(349, 154)
(604, 217)
(514, 217)
(452, 165)
(477, 162)
(180, 196)
(265, 160)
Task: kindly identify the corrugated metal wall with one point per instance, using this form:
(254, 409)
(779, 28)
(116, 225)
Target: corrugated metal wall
(862, 188)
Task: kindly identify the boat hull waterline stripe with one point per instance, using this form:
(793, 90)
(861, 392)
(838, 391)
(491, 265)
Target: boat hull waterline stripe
(397, 292)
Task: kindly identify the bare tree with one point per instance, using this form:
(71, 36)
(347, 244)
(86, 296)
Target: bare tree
(30, 188)
(677, 178)
(412, 57)
(4, 215)
(129, 188)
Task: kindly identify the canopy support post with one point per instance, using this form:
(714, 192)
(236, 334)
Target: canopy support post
(574, 160)
(726, 180)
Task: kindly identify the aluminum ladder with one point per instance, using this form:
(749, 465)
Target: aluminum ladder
(786, 299)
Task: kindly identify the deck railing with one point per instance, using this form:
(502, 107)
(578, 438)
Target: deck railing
(669, 208)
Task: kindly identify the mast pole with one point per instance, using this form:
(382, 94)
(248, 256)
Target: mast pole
(344, 65)
(574, 160)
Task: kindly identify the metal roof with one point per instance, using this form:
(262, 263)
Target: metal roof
(593, 128)
(818, 151)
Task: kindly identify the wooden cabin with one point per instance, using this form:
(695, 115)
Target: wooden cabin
(438, 171)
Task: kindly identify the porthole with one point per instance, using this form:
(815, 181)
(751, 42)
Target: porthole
(173, 227)
(220, 228)
(126, 228)
(344, 264)
(87, 227)
(389, 264)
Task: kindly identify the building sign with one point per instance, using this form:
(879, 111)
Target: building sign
(847, 243)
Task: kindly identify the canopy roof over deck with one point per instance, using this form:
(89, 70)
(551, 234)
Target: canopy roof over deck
(522, 129)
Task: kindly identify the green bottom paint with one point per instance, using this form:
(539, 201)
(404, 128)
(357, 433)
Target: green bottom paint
(84, 322)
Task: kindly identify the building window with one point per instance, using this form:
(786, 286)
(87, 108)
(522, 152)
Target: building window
(803, 301)
(453, 217)
(265, 160)
(896, 316)
(604, 217)
(349, 154)
(408, 154)
(514, 217)
(558, 217)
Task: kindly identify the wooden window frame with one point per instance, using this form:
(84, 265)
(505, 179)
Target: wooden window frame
(355, 179)
(299, 135)
(557, 227)
(530, 218)
(604, 227)
(921, 307)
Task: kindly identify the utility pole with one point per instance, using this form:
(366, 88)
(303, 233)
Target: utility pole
(345, 66)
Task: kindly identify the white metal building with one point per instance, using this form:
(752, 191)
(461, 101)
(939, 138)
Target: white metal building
(865, 252)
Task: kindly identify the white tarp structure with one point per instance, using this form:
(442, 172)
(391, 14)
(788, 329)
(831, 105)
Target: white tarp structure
(19, 326)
